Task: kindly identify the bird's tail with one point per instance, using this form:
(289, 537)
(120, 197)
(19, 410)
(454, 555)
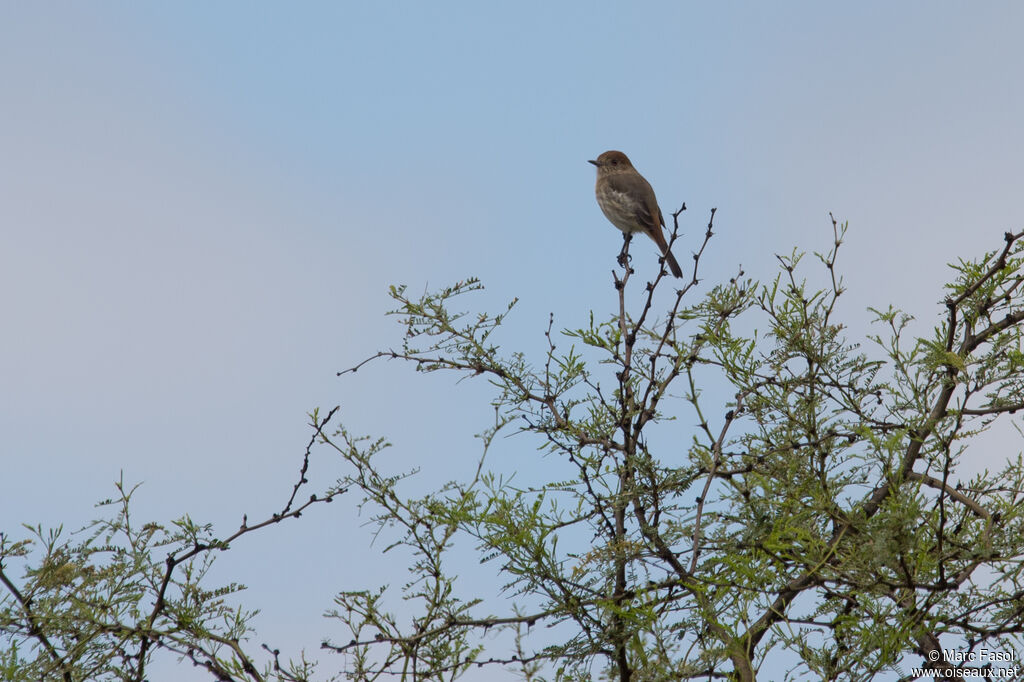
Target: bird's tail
(673, 264)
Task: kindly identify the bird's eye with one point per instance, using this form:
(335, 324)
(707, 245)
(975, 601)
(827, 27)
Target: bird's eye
(615, 162)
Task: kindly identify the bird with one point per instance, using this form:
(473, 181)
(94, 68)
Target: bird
(628, 201)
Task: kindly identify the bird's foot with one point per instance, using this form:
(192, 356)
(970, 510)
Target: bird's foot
(623, 258)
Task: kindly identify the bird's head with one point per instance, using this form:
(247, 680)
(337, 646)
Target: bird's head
(612, 162)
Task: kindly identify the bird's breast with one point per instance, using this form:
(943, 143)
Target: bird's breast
(618, 207)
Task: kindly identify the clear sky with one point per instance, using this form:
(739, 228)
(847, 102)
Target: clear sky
(202, 206)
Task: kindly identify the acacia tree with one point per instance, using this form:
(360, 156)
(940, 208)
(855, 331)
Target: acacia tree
(819, 512)
(814, 520)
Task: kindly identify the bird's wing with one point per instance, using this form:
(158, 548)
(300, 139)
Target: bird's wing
(649, 215)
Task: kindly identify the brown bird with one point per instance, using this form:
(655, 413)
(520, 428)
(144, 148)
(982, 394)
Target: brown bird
(628, 201)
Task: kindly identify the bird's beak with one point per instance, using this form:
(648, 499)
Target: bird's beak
(594, 162)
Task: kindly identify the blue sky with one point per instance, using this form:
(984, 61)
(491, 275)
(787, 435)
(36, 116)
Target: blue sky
(202, 206)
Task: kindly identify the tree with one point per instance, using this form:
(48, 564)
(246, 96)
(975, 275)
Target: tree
(814, 519)
(101, 607)
(818, 512)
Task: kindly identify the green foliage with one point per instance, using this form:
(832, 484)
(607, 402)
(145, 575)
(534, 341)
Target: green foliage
(87, 599)
(816, 512)
(816, 519)
(98, 604)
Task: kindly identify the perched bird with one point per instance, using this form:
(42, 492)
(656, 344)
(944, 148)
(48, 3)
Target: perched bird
(628, 201)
